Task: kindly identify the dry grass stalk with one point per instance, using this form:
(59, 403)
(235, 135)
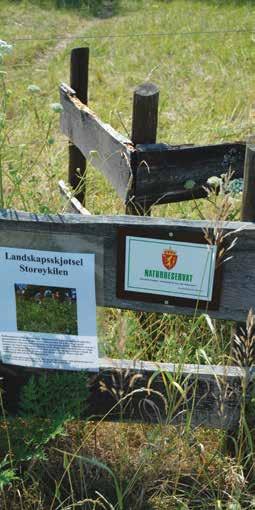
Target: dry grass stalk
(244, 342)
(216, 236)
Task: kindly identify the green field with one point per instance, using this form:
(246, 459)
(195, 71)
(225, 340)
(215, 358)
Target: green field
(49, 317)
(201, 55)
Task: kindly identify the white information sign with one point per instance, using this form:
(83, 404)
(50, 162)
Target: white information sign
(170, 268)
(44, 350)
(48, 309)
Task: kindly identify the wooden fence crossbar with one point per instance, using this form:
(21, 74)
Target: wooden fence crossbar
(141, 391)
(147, 174)
(216, 391)
(99, 235)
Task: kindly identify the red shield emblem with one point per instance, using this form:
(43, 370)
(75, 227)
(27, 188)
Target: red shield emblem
(169, 258)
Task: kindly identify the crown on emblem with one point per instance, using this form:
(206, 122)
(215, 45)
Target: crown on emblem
(169, 258)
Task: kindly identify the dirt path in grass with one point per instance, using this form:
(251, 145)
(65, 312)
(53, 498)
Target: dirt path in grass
(61, 44)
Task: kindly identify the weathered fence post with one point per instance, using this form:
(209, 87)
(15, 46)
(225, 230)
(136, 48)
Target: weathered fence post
(79, 71)
(144, 128)
(248, 203)
(144, 131)
(248, 200)
(247, 214)
(145, 114)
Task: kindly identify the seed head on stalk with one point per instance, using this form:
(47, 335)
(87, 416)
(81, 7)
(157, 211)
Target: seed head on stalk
(244, 342)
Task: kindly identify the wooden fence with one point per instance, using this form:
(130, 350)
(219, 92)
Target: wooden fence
(212, 394)
(143, 173)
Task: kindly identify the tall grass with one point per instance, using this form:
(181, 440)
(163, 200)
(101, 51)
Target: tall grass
(206, 85)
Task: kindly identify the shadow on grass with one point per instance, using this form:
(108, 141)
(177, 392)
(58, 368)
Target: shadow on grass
(96, 8)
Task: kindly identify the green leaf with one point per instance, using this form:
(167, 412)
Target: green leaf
(189, 184)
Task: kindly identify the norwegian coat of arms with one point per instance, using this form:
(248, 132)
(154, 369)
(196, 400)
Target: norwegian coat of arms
(169, 258)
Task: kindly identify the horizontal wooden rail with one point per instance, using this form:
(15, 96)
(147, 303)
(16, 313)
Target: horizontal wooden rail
(98, 234)
(146, 174)
(163, 170)
(139, 391)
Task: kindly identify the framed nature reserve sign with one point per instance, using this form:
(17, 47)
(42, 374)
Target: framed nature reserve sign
(48, 309)
(169, 268)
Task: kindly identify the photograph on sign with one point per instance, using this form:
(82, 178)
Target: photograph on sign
(49, 296)
(169, 271)
(46, 309)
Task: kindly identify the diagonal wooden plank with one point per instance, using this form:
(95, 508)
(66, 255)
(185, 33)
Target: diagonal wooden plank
(106, 149)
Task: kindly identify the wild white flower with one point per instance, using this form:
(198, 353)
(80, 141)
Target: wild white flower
(214, 181)
(33, 89)
(5, 47)
(57, 107)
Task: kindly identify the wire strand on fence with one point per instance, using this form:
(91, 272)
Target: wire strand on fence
(130, 35)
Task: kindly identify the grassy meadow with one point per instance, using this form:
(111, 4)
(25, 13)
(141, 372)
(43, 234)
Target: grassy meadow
(48, 317)
(204, 68)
